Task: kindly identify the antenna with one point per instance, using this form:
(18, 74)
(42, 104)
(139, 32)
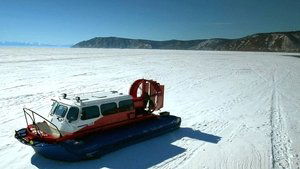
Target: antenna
(77, 99)
(64, 95)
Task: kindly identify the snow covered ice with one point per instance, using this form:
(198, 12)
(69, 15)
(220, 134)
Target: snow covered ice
(238, 109)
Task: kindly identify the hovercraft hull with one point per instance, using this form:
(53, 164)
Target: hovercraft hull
(97, 145)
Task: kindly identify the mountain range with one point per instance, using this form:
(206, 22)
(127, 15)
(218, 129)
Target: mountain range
(268, 42)
(29, 44)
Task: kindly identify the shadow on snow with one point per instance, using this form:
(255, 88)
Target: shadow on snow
(141, 155)
(297, 56)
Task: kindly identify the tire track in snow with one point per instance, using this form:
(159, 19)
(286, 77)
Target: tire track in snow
(280, 142)
(272, 128)
(280, 155)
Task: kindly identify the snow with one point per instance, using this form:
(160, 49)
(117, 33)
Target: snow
(238, 109)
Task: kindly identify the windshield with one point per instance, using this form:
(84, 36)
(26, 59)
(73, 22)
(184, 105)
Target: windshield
(59, 110)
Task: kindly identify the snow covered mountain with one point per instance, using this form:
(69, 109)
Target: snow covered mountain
(250, 100)
(276, 41)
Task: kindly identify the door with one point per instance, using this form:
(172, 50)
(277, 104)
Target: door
(58, 116)
(72, 120)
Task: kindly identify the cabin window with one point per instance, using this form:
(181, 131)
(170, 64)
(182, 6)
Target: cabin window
(108, 108)
(60, 110)
(90, 112)
(125, 105)
(73, 114)
(54, 105)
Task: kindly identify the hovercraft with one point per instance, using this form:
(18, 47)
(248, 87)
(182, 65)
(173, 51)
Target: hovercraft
(90, 125)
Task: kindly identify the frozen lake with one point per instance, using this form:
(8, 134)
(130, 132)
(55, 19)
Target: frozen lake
(249, 99)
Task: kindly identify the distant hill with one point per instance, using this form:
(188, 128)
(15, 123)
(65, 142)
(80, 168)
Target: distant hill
(271, 42)
(29, 44)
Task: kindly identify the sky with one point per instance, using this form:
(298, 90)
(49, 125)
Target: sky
(70, 21)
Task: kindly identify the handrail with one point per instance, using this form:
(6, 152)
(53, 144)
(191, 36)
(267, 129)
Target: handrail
(33, 119)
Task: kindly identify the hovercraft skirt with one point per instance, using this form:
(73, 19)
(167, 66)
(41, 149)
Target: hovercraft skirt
(97, 145)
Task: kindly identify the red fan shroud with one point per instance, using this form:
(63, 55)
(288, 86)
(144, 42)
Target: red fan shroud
(147, 95)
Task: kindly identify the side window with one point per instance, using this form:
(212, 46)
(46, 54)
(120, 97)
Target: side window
(108, 108)
(73, 114)
(125, 105)
(90, 112)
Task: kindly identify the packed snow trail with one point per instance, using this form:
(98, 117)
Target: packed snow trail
(238, 109)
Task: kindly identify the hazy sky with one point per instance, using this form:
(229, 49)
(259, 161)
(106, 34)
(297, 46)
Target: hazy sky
(70, 21)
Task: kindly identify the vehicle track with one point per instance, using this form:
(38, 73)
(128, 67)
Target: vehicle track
(280, 146)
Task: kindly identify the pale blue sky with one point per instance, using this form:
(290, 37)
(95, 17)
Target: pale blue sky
(67, 22)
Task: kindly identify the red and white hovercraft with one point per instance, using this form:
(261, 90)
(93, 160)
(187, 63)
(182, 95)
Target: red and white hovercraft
(88, 126)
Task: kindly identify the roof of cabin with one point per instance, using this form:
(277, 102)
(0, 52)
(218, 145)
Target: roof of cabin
(87, 99)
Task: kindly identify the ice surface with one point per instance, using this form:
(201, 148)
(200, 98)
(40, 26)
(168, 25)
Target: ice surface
(249, 99)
